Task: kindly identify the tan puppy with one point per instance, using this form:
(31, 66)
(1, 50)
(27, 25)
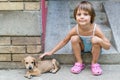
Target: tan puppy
(35, 68)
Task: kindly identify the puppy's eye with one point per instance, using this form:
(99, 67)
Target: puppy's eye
(32, 62)
(26, 62)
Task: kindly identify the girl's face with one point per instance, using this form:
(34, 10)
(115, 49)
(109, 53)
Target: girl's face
(82, 17)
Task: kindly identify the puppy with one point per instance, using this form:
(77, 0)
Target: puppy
(36, 68)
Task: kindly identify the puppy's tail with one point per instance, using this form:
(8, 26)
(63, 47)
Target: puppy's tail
(56, 63)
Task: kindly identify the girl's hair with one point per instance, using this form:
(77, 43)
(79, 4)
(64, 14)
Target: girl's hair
(87, 6)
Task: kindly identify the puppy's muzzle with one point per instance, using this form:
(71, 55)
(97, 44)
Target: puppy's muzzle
(30, 68)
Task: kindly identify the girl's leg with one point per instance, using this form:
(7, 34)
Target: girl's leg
(95, 53)
(77, 46)
(95, 67)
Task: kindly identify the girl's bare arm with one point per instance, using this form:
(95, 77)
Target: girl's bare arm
(104, 42)
(64, 41)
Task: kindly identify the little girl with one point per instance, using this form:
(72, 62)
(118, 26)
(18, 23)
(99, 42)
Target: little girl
(85, 36)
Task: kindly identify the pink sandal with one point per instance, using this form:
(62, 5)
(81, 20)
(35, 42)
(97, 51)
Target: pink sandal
(77, 68)
(96, 69)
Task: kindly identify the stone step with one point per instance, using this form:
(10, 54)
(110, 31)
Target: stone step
(96, 4)
(105, 57)
(105, 29)
(58, 25)
(112, 10)
(100, 18)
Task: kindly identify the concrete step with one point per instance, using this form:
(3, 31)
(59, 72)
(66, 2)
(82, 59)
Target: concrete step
(58, 25)
(105, 57)
(100, 18)
(105, 29)
(112, 10)
(110, 72)
(96, 4)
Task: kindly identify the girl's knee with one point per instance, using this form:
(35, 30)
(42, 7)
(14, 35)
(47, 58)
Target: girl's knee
(96, 40)
(75, 39)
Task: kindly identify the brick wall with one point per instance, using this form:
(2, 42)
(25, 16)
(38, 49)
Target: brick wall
(13, 48)
(19, 5)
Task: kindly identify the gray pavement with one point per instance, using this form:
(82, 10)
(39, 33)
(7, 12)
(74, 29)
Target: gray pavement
(110, 72)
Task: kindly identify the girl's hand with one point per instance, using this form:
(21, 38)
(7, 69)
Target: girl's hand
(96, 40)
(45, 54)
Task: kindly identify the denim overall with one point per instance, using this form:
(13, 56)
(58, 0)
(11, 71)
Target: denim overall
(86, 40)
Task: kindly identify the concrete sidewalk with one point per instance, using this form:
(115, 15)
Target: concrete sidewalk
(110, 72)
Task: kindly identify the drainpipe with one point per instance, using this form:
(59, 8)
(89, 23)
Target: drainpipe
(44, 15)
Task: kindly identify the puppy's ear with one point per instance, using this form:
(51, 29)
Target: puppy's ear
(40, 59)
(35, 63)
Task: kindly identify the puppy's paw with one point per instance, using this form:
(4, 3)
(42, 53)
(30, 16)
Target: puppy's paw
(53, 71)
(28, 76)
(25, 76)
